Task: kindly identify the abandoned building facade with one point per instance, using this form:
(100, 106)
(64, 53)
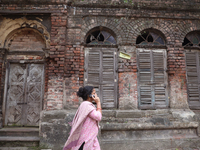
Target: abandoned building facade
(142, 57)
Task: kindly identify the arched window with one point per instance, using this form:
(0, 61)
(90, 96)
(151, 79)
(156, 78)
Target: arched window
(152, 66)
(100, 65)
(192, 39)
(100, 37)
(191, 44)
(151, 38)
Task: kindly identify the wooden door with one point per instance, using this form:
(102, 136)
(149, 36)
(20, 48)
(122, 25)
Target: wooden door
(24, 94)
(152, 79)
(100, 72)
(193, 79)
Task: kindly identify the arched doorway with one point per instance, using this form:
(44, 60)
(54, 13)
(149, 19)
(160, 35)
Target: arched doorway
(24, 87)
(101, 65)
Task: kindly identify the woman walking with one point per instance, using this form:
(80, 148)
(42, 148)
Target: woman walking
(84, 131)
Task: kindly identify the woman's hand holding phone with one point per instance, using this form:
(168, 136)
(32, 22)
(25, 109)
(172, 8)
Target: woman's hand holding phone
(96, 98)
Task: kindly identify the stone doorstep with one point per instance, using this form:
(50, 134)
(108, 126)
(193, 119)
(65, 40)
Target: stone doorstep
(18, 148)
(21, 139)
(147, 126)
(23, 131)
(13, 148)
(19, 129)
(148, 131)
(134, 113)
(164, 144)
(148, 113)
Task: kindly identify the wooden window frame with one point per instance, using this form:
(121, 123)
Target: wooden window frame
(195, 51)
(153, 106)
(100, 84)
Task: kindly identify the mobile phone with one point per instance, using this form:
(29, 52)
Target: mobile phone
(92, 96)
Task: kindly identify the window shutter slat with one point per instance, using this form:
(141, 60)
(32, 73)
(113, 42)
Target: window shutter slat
(108, 67)
(192, 76)
(145, 95)
(144, 76)
(160, 98)
(159, 78)
(93, 66)
(158, 65)
(144, 67)
(100, 72)
(108, 95)
(108, 78)
(152, 79)
(192, 68)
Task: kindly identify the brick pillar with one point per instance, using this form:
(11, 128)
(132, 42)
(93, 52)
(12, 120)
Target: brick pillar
(127, 74)
(54, 97)
(177, 77)
(74, 73)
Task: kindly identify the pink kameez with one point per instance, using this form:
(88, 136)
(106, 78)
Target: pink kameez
(85, 128)
(89, 132)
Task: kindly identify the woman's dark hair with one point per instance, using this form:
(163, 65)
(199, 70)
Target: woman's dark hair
(85, 91)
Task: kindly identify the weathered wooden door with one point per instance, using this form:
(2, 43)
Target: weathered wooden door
(193, 79)
(152, 79)
(100, 72)
(24, 94)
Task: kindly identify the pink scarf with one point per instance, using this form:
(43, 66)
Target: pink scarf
(84, 109)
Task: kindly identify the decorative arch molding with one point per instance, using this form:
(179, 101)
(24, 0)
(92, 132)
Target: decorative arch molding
(9, 27)
(90, 23)
(157, 37)
(188, 27)
(155, 24)
(100, 35)
(127, 30)
(14, 34)
(192, 39)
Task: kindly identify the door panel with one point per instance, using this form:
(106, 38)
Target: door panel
(24, 95)
(15, 95)
(34, 93)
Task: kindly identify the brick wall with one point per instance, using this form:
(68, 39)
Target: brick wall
(70, 22)
(74, 73)
(155, 4)
(127, 31)
(26, 40)
(56, 65)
